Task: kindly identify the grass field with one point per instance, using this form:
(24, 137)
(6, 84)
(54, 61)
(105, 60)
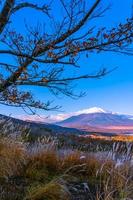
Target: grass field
(63, 167)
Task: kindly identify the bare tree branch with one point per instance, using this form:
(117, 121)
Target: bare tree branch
(43, 8)
(5, 14)
(41, 55)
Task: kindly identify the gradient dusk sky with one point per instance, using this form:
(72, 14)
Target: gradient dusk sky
(113, 92)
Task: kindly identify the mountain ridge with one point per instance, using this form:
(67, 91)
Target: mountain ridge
(102, 121)
(94, 120)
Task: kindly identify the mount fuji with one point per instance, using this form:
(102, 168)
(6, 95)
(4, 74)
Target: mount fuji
(99, 120)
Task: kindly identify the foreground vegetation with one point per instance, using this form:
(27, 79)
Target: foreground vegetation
(45, 170)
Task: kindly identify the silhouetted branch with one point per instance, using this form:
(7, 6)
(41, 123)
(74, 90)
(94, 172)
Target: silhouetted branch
(41, 55)
(5, 14)
(44, 8)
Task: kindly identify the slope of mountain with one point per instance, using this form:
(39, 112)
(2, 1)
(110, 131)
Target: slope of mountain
(100, 121)
(37, 128)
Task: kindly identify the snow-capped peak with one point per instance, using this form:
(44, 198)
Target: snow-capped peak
(92, 110)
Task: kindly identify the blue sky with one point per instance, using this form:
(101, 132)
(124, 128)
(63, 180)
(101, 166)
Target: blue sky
(113, 92)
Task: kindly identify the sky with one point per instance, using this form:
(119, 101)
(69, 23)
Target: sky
(113, 92)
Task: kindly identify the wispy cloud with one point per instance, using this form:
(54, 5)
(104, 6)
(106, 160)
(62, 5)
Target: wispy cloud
(60, 116)
(43, 118)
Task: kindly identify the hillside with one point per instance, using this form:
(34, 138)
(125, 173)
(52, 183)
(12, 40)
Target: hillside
(37, 128)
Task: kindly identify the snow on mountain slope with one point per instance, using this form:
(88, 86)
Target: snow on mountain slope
(91, 110)
(97, 118)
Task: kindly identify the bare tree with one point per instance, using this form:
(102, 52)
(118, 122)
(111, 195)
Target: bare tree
(42, 55)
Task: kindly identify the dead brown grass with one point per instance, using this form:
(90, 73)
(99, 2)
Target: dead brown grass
(47, 175)
(12, 157)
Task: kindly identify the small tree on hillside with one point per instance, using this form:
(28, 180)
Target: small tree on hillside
(42, 55)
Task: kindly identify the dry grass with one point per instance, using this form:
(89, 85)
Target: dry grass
(53, 190)
(43, 173)
(12, 157)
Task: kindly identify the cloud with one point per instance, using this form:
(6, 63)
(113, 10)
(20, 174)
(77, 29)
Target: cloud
(43, 118)
(60, 116)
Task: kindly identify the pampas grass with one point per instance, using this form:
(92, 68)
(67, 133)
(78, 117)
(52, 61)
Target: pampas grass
(41, 171)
